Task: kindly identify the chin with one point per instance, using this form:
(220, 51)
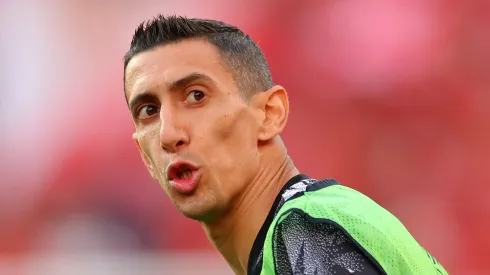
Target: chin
(202, 205)
(200, 211)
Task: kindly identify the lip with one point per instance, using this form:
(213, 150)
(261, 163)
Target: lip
(183, 185)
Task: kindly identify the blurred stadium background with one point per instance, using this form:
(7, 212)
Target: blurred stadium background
(390, 97)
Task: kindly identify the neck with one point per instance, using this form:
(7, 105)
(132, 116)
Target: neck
(234, 233)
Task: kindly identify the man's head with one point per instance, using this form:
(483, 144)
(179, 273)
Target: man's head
(205, 110)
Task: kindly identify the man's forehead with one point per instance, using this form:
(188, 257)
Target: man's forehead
(173, 59)
(136, 69)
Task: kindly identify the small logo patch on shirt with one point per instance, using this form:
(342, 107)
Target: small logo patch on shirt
(297, 188)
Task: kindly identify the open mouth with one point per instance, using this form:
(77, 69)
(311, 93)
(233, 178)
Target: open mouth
(183, 176)
(180, 170)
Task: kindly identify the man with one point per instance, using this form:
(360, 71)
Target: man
(208, 119)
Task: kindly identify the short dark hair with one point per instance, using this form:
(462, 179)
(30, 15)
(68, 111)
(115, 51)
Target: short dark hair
(240, 53)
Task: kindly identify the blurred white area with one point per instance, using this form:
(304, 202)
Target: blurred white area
(95, 263)
(27, 145)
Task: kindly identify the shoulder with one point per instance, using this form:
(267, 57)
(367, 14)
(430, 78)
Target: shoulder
(360, 218)
(324, 214)
(303, 246)
(310, 222)
(329, 201)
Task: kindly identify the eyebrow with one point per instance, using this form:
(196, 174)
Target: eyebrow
(186, 80)
(138, 99)
(176, 85)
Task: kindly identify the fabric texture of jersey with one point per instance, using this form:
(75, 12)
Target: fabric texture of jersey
(325, 244)
(321, 227)
(303, 247)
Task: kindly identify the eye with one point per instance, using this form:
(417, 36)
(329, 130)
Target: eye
(146, 111)
(194, 96)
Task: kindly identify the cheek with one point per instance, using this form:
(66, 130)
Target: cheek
(149, 141)
(234, 127)
(235, 156)
(234, 139)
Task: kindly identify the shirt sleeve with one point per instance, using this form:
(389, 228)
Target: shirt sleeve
(304, 247)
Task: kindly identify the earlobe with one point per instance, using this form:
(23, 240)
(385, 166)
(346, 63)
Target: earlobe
(276, 110)
(144, 157)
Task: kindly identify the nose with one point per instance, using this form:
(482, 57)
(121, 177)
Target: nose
(173, 137)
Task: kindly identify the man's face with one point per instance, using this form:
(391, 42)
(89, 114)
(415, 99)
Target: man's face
(197, 136)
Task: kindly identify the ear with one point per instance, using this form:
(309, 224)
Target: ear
(144, 157)
(274, 105)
